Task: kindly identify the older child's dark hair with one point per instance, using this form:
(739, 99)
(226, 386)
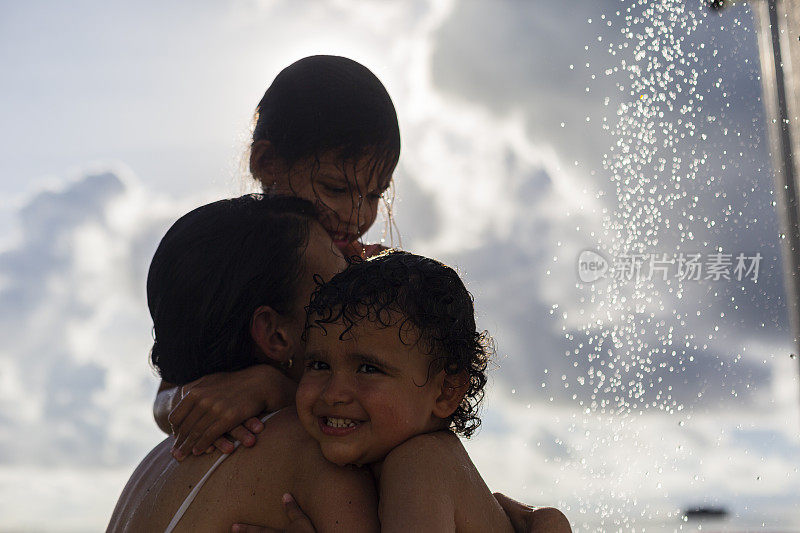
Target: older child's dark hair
(329, 103)
(214, 267)
(428, 301)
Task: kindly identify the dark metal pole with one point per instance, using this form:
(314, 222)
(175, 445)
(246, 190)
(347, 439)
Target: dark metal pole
(778, 30)
(777, 93)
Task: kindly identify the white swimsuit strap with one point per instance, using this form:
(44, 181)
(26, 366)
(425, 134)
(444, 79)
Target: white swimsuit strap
(190, 498)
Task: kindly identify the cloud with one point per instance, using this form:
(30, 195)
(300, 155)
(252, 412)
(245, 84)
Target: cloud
(491, 182)
(609, 472)
(723, 203)
(612, 357)
(76, 386)
(76, 323)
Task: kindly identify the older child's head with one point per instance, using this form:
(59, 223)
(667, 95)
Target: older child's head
(392, 352)
(326, 130)
(223, 269)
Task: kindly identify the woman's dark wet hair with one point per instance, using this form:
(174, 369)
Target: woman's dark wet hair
(214, 267)
(430, 305)
(323, 104)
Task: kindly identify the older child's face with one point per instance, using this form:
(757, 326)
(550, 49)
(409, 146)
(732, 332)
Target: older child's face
(347, 194)
(364, 395)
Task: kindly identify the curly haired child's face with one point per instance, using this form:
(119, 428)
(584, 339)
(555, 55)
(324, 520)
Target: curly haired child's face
(364, 395)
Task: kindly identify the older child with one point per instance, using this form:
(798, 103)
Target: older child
(394, 370)
(325, 131)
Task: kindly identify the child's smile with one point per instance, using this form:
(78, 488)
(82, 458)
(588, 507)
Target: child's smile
(362, 396)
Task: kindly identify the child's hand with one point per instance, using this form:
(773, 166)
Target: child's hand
(217, 404)
(244, 433)
(526, 519)
(298, 522)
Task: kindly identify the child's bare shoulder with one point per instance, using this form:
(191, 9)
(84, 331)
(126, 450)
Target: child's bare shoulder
(438, 442)
(433, 475)
(424, 458)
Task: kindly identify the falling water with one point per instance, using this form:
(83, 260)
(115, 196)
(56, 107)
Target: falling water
(628, 336)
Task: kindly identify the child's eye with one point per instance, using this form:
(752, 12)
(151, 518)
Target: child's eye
(366, 368)
(316, 365)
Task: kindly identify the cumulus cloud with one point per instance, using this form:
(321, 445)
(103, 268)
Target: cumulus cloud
(685, 368)
(76, 382)
(705, 347)
(491, 182)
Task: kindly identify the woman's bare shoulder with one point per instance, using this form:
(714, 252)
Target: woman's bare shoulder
(248, 486)
(336, 498)
(286, 423)
(293, 442)
(282, 431)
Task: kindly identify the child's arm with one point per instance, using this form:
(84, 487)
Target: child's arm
(167, 398)
(415, 488)
(202, 411)
(429, 483)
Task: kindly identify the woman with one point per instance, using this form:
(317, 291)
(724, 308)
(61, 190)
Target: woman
(226, 291)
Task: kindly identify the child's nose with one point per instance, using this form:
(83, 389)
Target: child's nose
(363, 215)
(337, 390)
(356, 214)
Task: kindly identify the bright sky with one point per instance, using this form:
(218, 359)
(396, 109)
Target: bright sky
(119, 118)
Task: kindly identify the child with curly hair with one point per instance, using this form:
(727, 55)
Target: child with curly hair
(394, 370)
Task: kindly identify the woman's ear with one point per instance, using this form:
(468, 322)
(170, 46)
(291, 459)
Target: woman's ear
(262, 162)
(452, 388)
(272, 335)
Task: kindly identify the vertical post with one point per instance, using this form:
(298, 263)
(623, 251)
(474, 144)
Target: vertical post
(778, 29)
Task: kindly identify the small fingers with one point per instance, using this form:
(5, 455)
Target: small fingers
(181, 410)
(292, 509)
(187, 437)
(224, 445)
(505, 502)
(297, 520)
(244, 436)
(217, 429)
(254, 425)
(518, 513)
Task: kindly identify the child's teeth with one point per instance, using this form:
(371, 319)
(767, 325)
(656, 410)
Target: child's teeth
(340, 422)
